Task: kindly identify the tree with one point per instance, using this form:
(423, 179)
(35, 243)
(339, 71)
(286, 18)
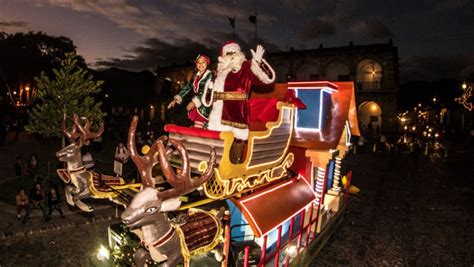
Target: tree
(71, 92)
(24, 56)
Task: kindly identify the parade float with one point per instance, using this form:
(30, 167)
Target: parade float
(275, 208)
(261, 185)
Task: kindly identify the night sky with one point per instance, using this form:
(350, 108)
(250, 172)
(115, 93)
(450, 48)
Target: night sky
(435, 38)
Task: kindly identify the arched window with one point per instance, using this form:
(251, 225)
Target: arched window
(337, 71)
(369, 75)
(370, 117)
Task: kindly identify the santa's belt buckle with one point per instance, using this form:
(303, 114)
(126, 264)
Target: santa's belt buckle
(230, 96)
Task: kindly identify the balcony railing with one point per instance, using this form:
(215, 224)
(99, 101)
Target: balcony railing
(361, 86)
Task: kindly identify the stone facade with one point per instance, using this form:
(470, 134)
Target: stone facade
(373, 68)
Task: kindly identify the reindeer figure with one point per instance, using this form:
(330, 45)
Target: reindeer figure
(146, 215)
(81, 183)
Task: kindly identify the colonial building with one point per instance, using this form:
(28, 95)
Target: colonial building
(373, 68)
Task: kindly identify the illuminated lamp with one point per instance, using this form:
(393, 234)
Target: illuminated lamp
(103, 253)
(14, 92)
(317, 97)
(27, 88)
(413, 128)
(291, 251)
(406, 127)
(419, 104)
(464, 85)
(151, 106)
(145, 149)
(436, 134)
(373, 107)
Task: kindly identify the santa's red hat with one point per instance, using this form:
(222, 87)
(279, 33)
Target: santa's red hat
(230, 46)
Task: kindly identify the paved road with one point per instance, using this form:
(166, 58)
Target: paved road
(411, 212)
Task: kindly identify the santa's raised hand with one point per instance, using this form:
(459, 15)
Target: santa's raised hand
(258, 54)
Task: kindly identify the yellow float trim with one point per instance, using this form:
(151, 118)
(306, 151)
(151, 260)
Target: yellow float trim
(196, 203)
(217, 238)
(227, 170)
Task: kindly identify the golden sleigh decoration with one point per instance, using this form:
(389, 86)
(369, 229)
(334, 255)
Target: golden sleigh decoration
(267, 157)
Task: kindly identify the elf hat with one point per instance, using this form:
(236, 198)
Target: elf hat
(208, 60)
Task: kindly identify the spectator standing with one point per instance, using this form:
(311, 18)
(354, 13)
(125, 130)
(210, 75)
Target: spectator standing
(19, 166)
(54, 202)
(3, 132)
(21, 202)
(17, 126)
(37, 201)
(121, 157)
(32, 167)
(150, 139)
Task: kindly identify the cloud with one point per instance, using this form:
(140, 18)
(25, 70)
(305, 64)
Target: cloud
(429, 68)
(12, 26)
(377, 29)
(155, 52)
(168, 20)
(372, 27)
(316, 28)
(301, 5)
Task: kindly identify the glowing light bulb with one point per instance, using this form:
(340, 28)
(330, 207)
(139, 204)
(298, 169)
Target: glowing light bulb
(103, 253)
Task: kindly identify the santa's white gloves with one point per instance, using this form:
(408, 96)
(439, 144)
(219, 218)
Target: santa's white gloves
(258, 54)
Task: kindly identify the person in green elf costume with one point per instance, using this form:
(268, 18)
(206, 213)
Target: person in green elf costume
(200, 87)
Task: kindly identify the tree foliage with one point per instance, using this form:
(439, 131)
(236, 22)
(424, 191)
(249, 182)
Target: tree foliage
(70, 90)
(24, 56)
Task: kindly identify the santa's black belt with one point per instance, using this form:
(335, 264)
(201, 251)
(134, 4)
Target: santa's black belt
(230, 96)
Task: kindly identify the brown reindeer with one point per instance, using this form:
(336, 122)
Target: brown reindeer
(146, 215)
(81, 183)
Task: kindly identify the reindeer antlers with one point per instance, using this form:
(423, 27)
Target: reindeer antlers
(144, 163)
(182, 183)
(73, 135)
(86, 134)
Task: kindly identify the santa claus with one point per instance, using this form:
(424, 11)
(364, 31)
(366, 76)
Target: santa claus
(235, 77)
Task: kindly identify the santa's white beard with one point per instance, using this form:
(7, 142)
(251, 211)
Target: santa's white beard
(231, 62)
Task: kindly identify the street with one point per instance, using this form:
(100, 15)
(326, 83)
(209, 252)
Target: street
(411, 211)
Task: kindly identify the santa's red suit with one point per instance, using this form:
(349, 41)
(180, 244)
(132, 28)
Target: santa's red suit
(230, 111)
